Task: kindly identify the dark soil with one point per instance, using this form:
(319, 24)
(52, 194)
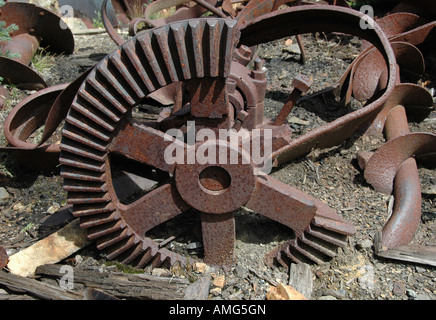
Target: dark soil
(332, 176)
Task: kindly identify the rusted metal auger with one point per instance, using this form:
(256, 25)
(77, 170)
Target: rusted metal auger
(219, 93)
(392, 169)
(36, 27)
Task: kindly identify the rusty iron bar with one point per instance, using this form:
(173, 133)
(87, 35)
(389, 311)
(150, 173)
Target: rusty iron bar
(4, 258)
(301, 85)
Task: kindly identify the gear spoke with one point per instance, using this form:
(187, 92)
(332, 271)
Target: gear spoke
(218, 238)
(143, 144)
(282, 203)
(153, 209)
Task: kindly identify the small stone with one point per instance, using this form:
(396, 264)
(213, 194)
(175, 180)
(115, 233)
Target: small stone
(216, 291)
(200, 267)
(288, 42)
(399, 288)
(18, 207)
(364, 244)
(4, 196)
(240, 272)
(283, 292)
(412, 294)
(3, 292)
(327, 298)
(219, 281)
(53, 208)
(159, 272)
(194, 245)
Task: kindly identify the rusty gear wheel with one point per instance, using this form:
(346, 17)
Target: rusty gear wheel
(100, 128)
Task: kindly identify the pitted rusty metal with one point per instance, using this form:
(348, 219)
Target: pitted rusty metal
(121, 229)
(205, 61)
(36, 27)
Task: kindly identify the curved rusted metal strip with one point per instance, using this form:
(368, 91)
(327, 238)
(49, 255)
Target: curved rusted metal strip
(412, 96)
(41, 23)
(415, 33)
(406, 213)
(47, 107)
(370, 76)
(19, 75)
(306, 19)
(23, 120)
(382, 167)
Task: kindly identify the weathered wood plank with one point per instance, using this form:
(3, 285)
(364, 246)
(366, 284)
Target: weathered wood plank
(51, 249)
(36, 288)
(136, 286)
(301, 278)
(411, 253)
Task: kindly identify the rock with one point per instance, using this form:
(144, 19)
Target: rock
(199, 290)
(4, 196)
(159, 272)
(216, 291)
(194, 245)
(399, 288)
(200, 267)
(411, 294)
(294, 48)
(364, 244)
(283, 292)
(338, 294)
(327, 298)
(53, 208)
(219, 281)
(240, 272)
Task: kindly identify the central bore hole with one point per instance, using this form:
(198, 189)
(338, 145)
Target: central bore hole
(215, 179)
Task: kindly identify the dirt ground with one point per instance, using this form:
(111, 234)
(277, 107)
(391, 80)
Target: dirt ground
(332, 176)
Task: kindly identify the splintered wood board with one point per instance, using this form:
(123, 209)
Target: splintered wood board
(50, 250)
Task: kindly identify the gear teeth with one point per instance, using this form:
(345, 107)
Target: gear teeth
(87, 222)
(85, 210)
(81, 175)
(75, 198)
(125, 73)
(81, 122)
(100, 89)
(156, 58)
(121, 247)
(81, 186)
(82, 137)
(112, 239)
(314, 245)
(105, 229)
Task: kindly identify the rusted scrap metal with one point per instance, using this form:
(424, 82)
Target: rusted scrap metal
(396, 158)
(4, 258)
(217, 191)
(218, 93)
(46, 108)
(36, 27)
(405, 31)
